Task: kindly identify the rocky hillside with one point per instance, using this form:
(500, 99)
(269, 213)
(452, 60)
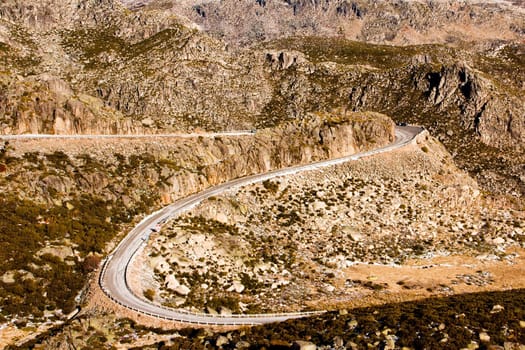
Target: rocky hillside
(63, 204)
(472, 100)
(307, 240)
(388, 22)
(99, 67)
(108, 61)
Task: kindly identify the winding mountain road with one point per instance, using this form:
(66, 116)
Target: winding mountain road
(125, 136)
(115, 273)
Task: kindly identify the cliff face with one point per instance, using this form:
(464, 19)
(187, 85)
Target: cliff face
(46, 104)
(171, 168)
(496, 118)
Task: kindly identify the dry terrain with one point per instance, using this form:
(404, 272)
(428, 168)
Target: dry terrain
(316, 241)
(313, 80)
(389, 227)
(76, 198)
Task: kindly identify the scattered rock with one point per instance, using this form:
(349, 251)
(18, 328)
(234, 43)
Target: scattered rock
(338, 342)
(182, 290)
(497, 308)
(225, 311)
(351, 345)
(211, 311)
(8, 277)
(352, 324)
(242, 345)
(495, 347)
(318, 205)
(60, 252)
(498, 240)
(484, 337)
(221, 340)
(237, 287)
(303, 345)
(329, 288)
(147, 122)
(390, 342)
(221, 217)
(171, 282)
(473, 345)
(160, 265)
(512, 346)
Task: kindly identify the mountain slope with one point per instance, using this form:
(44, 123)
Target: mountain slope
(390, 22)
(98, 67)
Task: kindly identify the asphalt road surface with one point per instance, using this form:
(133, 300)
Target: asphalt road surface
(125, 136)
(114, 275)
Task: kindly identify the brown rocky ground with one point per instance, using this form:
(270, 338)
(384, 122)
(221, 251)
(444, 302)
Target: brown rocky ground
(394, 23)
(451, 264)
(390, 227)
(75, 198)
(91, 66)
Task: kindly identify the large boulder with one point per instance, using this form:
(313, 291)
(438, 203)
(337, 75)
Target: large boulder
(182, 290)
(171, 282)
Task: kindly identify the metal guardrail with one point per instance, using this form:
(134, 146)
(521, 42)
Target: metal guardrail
(197, 314)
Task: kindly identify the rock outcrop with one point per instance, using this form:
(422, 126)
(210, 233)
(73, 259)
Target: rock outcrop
(399, 22)
(498, 120)
(48, 105)
(175, 167)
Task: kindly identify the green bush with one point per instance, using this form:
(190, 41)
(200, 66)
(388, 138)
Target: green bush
(149, 294)
(271, 186)
(415, 324)
(24, 228)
